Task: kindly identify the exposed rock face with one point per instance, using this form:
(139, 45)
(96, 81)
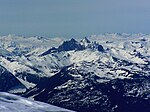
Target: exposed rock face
(8, 81)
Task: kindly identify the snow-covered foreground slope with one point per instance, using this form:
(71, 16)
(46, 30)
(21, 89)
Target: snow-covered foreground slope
(13, 103)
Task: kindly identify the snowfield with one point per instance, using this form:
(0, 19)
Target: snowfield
(13, 103)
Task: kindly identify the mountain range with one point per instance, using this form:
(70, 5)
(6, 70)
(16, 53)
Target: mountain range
(106, 73)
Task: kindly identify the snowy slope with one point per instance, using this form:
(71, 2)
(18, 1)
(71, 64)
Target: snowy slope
(13, 103)
(22, 45)
(14, 52)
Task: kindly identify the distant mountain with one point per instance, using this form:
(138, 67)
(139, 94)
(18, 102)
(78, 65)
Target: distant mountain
(75, 45)
(106, 73)
(66, 46)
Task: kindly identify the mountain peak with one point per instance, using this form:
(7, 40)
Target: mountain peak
(85, 40)
(72, 40)
(65, 46)
(70, 45)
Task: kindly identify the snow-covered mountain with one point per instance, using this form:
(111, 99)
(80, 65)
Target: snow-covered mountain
(106, 73)
(14, 53)
(13, 103)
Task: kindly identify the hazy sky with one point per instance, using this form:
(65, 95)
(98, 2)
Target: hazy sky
(73, 18)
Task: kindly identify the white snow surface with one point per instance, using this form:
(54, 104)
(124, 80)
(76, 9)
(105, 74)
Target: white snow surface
(13, 103)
